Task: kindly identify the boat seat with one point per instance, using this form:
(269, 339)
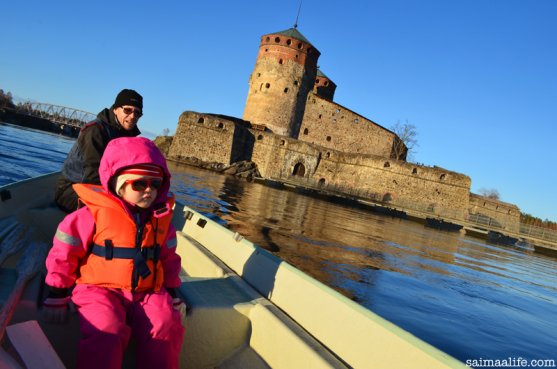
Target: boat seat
(230, 325)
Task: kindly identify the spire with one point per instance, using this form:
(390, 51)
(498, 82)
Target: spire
(298, 15)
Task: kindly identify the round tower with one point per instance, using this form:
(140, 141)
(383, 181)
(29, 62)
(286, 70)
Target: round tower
(324, 86)
(284, 74)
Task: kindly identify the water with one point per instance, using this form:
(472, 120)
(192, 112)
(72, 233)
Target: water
(468, 298)
(26, 153)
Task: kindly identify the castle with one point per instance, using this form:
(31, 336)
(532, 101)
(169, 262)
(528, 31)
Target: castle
(295, 132)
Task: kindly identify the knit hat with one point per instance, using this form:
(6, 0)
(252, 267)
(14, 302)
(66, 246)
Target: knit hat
(137, 171)
(128, 97)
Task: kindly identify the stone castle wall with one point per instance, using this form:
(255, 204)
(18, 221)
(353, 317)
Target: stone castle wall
(331, 125)
(495, 212)
(429, 189)
(211, 138)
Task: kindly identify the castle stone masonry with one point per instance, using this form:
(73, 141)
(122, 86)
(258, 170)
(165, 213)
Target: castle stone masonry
(294, 131)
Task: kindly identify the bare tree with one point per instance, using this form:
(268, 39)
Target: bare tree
(490, 193)
(407, 141)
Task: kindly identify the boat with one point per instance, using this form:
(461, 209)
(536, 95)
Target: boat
(442, 225)
(499, 238)
(247, 307)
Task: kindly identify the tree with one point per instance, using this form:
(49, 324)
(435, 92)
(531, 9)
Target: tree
(165, 132)
(490, 193)
(407, 142)
(6, 99)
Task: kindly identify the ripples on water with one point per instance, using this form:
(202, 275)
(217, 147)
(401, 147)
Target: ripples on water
(26, 153)
(468, 298)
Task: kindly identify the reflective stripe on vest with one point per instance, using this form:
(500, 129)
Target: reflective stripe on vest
(67, 238)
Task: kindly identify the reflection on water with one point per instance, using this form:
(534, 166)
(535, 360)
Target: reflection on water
(458, 293)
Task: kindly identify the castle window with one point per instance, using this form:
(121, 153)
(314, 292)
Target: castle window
(220, 126)
(310, 50)
(415, 171)
(386, 165)
(296, 56)
(321, 182)
(266, 50)
(268, 39)
(329, 138)
(288, 42)
(319, 116)
(295, 83)
(326, 83)
(285, 89)
(277, 39)
(338, 110)
(306, 131)
(201, 120)
(260, 137)
(282, 142)
(316, 81)
(328, 155)
(356, 120)
(258, 74)
(280, 61)
(300, 45)
(267, 85)
(442, 177)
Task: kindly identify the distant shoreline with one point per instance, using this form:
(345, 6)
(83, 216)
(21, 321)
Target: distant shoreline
(23, 120)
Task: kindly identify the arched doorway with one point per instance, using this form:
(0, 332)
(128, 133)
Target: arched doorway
(299, 170)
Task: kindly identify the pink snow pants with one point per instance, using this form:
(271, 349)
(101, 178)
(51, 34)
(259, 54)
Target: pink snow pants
(109, 317)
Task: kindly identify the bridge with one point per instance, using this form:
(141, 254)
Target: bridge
(61, 115)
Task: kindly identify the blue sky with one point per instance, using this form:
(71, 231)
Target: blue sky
(478, 78)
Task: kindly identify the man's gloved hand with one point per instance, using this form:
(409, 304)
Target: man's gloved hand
(55, 309)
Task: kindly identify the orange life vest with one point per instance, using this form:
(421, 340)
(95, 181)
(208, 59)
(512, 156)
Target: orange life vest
(122, 255)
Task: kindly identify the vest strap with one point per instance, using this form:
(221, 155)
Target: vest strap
(109, 252)
(109, 249)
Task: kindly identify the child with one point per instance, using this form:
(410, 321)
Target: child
(119, 251)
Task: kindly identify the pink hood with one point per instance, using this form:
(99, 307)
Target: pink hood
(127, 151)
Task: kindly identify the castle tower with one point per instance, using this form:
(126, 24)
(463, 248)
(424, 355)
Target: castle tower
(284, 74)
(324, 86)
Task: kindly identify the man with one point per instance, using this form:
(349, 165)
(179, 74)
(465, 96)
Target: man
(82, 163)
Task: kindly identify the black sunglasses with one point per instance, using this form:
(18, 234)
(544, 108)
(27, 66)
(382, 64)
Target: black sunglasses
(128, 111)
